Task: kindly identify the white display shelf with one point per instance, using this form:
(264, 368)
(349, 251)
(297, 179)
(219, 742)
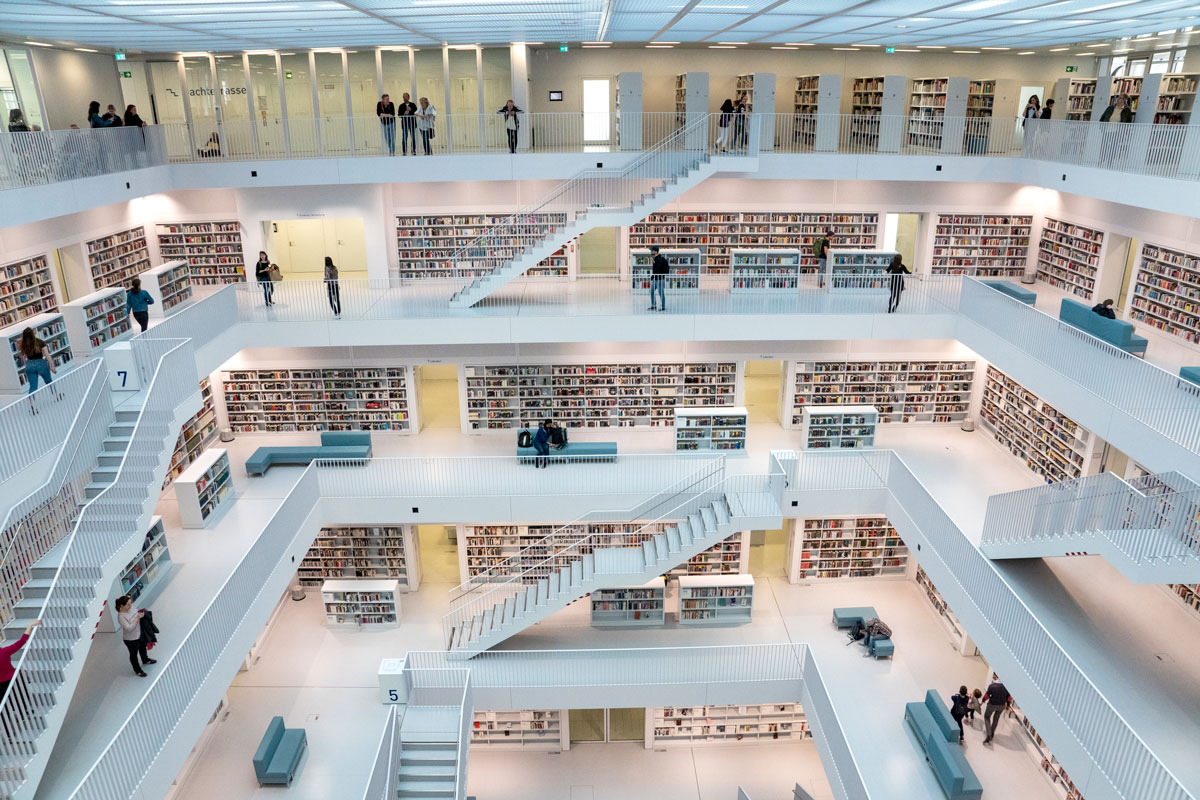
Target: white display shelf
(765, 270)
(981, 97)
(212, 249)
(51, 328)
(361, 603)
(363, 552)
(850, 269)
(97, 320)
(683, 277)
(1081, 94)
(374, 398)
(840, 427)
(835, 548)
(592, 395)
(170, 285)
(926, 112)
(115, 259)
(520, 730)
(26, 290)
(146, 574)
(718, 233)
(804, 106)
(753, 723)
(981, 245)
(954, 628)
(426, 244)
(1069, 257)
(1176, 98)
(902, 391)
(872, 99)
(716, 428)
(715, 599)
(628, 97)
(730, 556)
(1166, 294)
(1050, 443)
(630, 606)
(204, 489)
(196, 434)
(1131, 86)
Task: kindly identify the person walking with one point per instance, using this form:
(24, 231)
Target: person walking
(959, 704)
(659, 268)
(541, 443)
(385, 109)
(131, 633)
(897, 271)
(138, 302)
(38, 363)
(93, 116)
(821, 251)
(262, 273)
(724, 124)
(1033, 110)
(408, 124)
(997, 698)
(973, 706)
(332, 288)
(7, 671)
(426, 116)
(512, 123)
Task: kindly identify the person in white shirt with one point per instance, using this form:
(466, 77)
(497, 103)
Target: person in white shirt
(131, 632)
(512, 123)
(426, 116)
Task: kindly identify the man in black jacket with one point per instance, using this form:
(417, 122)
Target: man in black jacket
(1105, 309)
(658, 279)
(997, 699)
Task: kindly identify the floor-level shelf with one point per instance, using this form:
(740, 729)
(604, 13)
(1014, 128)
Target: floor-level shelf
(205, 488)
(363, 552)
(849, 547)
(51, 328)
(715, 599)
(765, 270)
(97, 320)
(1039, 751)
(753, 723)
(117, 258)
(1069, 257)
(361, 603)
(730, 556)
(212, 249)
(858, 270)
(957, 633)
(902, 391)
(196, 434)
(375, 398)
(683, 273)
(1166, 294)
(1188, 594)
(840, 427)
(713, 428)
(145, 575)
(520, 730)
(981, 245)
(630, 606)
(26, 290)
(427, 245)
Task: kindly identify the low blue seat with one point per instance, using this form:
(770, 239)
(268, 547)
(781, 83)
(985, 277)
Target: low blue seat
(1190, 374)
(600, 451)
(1114, 331)
(1013, 290)
(881, 647)
(937, 732)
(846, 617)
(279, 754)
(337, 445)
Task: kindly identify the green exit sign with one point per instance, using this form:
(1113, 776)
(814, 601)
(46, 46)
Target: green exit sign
(562, 48)
(126, 74)
(1072, 69)
(119, 56)
(287, 75)
(889, 50)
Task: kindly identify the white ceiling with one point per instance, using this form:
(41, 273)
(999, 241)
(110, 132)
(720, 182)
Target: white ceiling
(187, 25)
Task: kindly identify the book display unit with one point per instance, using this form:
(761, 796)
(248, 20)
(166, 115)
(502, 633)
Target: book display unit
(628, 99)
(203, 488)
(958, 634)
(839, 427)
(705, 429)
(765, 270)
(730, 556)
(1081, 94)
(1069, 257)
(715, 599)
(115, 259)
(926, 112)
(858, 270)
(683, 275)
(363, 552)
(757, 91)
(804, 106)
(26, 290)
(1176, 99)
(196, 434)
(97, 320)
(488, 546)
(1188, 593)
(361, 603)
(872, 99)
(1131, 86)
(1166, 294)
(146, 574)
(1039, 751)
(1049, 442)
(212, 249)
(592, 395)
(716, 234)
(519, 730)
(838, 548)
(627, 606)
(51, 328)
(427, 244)
(170, 285)
(902, 391)
(374, 398)
(750, 724)
(981, 245)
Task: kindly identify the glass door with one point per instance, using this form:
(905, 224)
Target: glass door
(268, 108)
(297, 87)
(597, 109)
(237, 133)
(587, 725)
(331, 95)
(166, 101)
(201, 96)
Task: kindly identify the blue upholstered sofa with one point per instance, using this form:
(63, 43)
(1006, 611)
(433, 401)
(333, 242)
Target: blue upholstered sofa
(1013, 290)
(937, 732)
(1114, 331)
(606, 451)
(279, 753)
(351, 445)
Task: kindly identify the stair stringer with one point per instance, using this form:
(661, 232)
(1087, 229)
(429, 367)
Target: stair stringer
(1182, 568)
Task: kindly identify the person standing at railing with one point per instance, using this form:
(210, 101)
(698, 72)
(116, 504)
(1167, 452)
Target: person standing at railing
(7, 671)
(24, 147)
(93, 116)
(512, 123)
(331, 287)
(138, 302)
(1119, 106)
(132, 120)
(407, 111)
(724, 123)
(739, 123)
(262, 274)
(16, 121)
(1048, 110)
(426, 116)
(385, 109)
(659, 268)
(896, 272)
(130, 621)
(821, 252)
(1033, 110)
(38, 363)
(111, 113)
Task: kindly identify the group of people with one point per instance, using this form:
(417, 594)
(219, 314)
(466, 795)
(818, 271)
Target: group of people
(112, 118)
(1034, 110)
(413, 118)
(547, 435)
(991, 704)
(267, 274)
(733, 121)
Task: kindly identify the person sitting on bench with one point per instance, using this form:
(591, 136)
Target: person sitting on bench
(1105, 309)
(558, 435)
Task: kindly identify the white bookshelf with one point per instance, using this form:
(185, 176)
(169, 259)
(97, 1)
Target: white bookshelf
(954, 628)
(926, 112)
(96, 320)
(1176, 98)
(485, 547)
(1069, 257)
(902, 391)
(765, 270)
(205, 488)
(753, 723)
(196, 434)
(683, 276)
(589, 395)
(841, 548)
(212, 249)
(1049, 442)
(981, 245)
(375, 398)
(170, 285)
(850, 269)
(716, 234)
(840, 427)
(51, 328)
(730, 556)
(718, 428)
(715, 599)
(145, 575)
(1081, 94)
(117, 258)
(361, 603)
(1131, 86)
(630, 606)
(1166, 294)
(874, 99)
(1188, 594)
(805, 100)
(520, 730)
(26, 290)
(426, 244)
(363, 552)
(1064, 788)
(628, 110)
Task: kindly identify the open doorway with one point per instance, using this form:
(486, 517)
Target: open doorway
(73, 272)
(769, 553)
(438, 545)
(764, 390)
(437, 394)
(598, 251)
(1023, 98)
(900, 234)
(606, 725)
(597, 109)
(1116, 273)
(299, 247)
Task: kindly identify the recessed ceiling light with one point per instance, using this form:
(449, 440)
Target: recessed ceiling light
(596, 47)
(800, 44)
(1026, 53)
(735, 8)
(39, 44)
(968, 52)
(1126, 50)
(734, 43)
(664, 42)
(981, 5)
(855, 49)
(778, 47)
(1085, 54)
(1102, 44)
(1058, 49)
(901, 26)
(920, 19)
(722, 47)
(864, 45)
(899, 50)
(931, 47)
(995, 48)
(86, 50)
(660, 46)
(597, 43)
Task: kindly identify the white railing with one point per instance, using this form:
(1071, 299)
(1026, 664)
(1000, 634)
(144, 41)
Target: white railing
(840, 764)
(28, 435)
(34, 158)
(381, 785)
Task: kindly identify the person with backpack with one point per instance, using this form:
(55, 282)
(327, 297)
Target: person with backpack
(723, 125)
(541, 443)
(821, 253)
(659, 268)
(959, 707)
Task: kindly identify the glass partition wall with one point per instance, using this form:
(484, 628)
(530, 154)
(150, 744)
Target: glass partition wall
(298, 97)
(266, 98)
(362, 79)
(330, 81)
(237, 135)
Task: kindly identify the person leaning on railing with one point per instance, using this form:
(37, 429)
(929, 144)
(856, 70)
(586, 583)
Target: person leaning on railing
(512, 123)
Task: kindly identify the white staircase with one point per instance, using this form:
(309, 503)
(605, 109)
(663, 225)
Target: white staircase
(427, 769)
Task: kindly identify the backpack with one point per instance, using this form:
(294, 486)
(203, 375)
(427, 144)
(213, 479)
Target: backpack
(818, 247)
(960, 706)
(524, 439)
(558, 436)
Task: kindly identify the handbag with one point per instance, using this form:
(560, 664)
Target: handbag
(432, 132)
(275, 274)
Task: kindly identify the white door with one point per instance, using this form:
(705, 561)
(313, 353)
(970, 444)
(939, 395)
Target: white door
(597, 109)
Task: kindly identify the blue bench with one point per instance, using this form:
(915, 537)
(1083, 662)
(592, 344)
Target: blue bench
(937, 732)
(879, 646)
(349, 445)
(1014, 291)
(846, 617)
(1190, 374)
(600, 451)
(279, 753)
(1114, 331)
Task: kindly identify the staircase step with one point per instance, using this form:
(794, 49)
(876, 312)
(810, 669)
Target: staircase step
(650, 554)
(576, 573)
(708, 518)
(661, 548)
(674, 539)
(120, 443)
(37, 587)
(127, 415)
(424, 789)
(428, 772)
(122, 428)
(695, 526)
(589, 566)
(110, 458)
(94, 488)
(722, 511)
(104, 474)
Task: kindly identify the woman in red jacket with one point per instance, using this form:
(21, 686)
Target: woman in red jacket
(7, 652)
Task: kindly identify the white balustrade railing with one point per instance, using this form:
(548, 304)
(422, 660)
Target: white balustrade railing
(381, 784)
(33, 425)
(34, 158)
(841, 768)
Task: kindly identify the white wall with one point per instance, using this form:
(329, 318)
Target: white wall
(70, 80)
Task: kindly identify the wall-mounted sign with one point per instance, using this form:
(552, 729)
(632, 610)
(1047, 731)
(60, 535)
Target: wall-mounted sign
(889, 49)
(119, 56)
(287, 75)
(1072, 69)
(126, 74)
(562, 48)
(555, 95)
